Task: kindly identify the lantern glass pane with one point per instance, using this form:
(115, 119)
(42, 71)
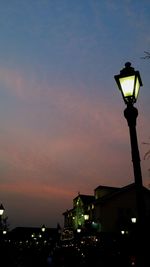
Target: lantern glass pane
(137, 87)
(127, 85)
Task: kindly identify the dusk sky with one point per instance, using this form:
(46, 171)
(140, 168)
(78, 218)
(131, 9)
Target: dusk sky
(62, 128)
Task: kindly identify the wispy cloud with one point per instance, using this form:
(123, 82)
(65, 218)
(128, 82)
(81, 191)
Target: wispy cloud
(74, 146)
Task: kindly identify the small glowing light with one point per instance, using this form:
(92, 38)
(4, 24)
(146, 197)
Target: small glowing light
(4, 232)
(122, 232)
(43, 229)
(1, 209)
(133, 220)
(86, 217)
(78, 230)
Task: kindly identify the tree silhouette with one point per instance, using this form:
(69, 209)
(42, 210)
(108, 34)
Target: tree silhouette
(147, 55)
(147, 154)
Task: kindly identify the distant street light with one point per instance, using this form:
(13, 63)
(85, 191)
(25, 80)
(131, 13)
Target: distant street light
(129, 82)
(43, 228)
(133, 220)
(1, 210)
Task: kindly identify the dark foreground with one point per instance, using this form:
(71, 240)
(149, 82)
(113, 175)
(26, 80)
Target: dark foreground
(67, 254)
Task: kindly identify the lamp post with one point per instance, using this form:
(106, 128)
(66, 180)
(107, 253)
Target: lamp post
(129, 83)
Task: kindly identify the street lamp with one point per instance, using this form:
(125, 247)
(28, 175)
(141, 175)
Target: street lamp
(129, 83)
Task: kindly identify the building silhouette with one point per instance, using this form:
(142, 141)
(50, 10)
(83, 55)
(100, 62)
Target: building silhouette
(108, 210)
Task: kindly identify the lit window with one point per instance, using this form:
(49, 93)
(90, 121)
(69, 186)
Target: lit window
(86, 217)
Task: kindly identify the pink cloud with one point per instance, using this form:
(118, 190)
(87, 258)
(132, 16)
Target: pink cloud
(83, 126)
(32, 189)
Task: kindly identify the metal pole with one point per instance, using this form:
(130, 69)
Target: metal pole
(131, 114)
